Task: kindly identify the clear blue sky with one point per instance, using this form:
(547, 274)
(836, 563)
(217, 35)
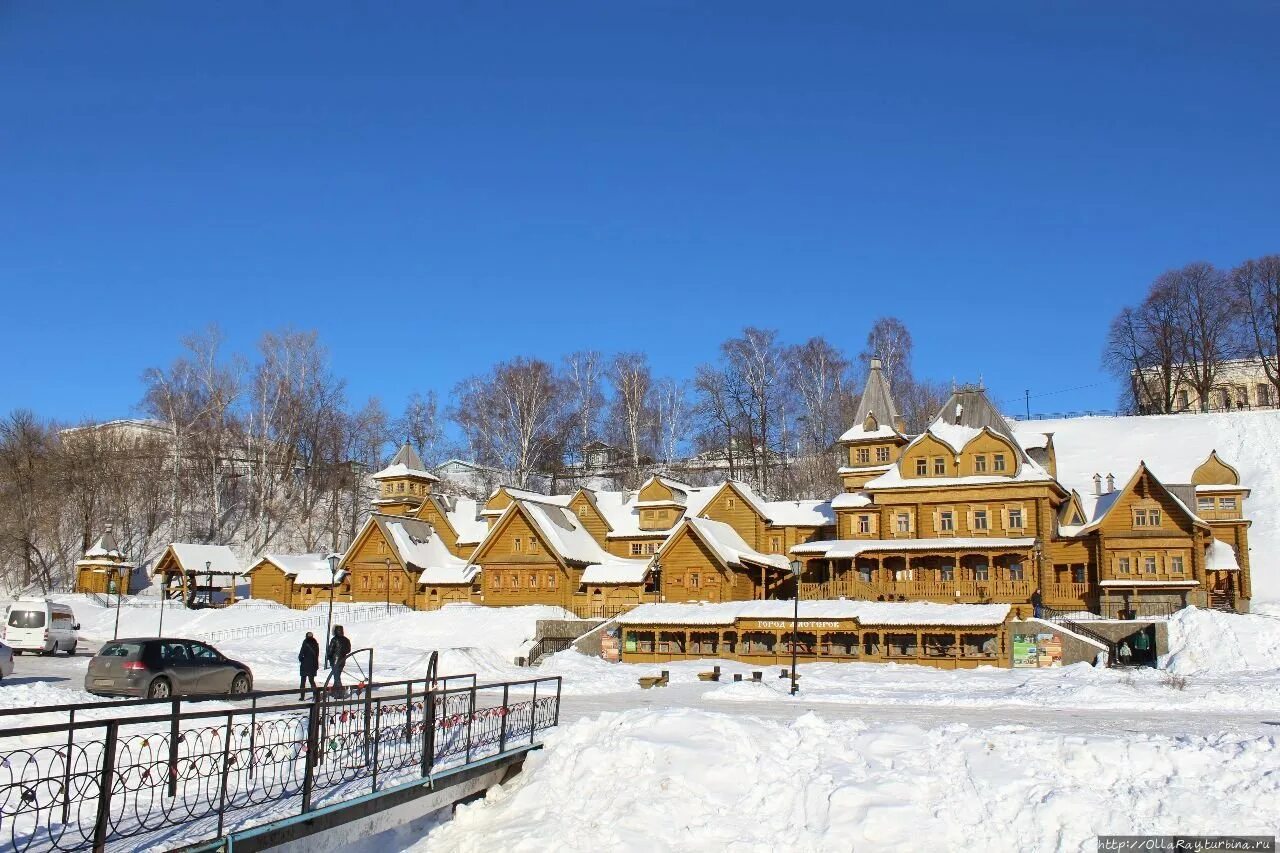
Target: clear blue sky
(437, 186)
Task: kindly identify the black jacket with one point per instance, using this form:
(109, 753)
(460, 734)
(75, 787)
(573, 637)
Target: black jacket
(1036, 598)
(339, 648)
(309, 657)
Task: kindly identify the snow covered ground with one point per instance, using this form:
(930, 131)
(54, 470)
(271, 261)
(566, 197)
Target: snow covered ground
(1172, 446)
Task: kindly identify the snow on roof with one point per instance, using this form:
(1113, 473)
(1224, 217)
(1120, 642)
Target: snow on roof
(406, 463)
(427, 554)
(1216, 487)
(219, 558)
(467, 521)
(846, 548)
(1033, 440)
(1220, 557)
(855, 433)
(105, 546)
(866, 612)
(850, 500)
(955, 436)
(292, 564)
(1126, 584)
(1028, 472)
(564, 534)
(621, 510)
(730, 547)
(616, 571)
(810, 513)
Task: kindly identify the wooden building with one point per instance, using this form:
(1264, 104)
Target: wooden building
(404, 484)
(104, 569)
(761, 632)
(199, 573)
(297, 580)
(968, 512)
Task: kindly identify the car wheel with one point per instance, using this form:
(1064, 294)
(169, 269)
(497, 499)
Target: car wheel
(70, 650)
(17, 651)
(159, 689)
(240, 685)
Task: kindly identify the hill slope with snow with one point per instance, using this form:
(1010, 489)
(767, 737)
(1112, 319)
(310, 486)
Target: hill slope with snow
(1172, 446)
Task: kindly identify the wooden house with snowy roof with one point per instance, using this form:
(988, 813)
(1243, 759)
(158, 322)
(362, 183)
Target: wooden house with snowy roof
(404, 484)
(104, 569)
(198, 573)
(297, 580)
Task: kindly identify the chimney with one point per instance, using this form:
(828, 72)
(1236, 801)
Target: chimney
(1097, 484)
(876, 364)
(1111, 483)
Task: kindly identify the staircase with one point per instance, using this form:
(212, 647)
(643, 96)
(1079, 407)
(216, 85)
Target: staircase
(1223, 601)
(1113, 656)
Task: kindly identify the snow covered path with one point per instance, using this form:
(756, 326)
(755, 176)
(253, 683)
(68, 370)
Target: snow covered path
(1066, 721)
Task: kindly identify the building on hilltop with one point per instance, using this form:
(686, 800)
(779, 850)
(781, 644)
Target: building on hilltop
(1241, 383)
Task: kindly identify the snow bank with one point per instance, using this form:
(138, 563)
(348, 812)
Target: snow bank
(1207, 641)
(692, 780)
(1172, 446)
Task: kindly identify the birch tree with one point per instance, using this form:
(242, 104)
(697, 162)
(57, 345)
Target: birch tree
(513, 416)
(631, 413)
(583, 375)
(1256, 286)
(890, 341)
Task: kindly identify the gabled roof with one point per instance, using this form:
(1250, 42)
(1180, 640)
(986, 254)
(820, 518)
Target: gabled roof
(876, 403)
(569, 541)
(808, 513)
(724, 542)
(406, 463)
(303, 569)
(416, 548)
(218, 559)
(1105, 503)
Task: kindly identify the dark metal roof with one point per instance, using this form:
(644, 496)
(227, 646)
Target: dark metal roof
(876, 399)
(969, 406)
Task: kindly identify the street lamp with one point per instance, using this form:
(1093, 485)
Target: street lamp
(208, 570)
(115, 634)
(388, 561)
(334, 559)
(164, 593)
(796, 565)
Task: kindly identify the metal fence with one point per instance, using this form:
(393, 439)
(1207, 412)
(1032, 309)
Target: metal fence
(347, 615)
(187, 776)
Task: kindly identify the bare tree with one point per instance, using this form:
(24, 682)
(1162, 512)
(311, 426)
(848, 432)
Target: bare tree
(1257, 299)
(715, 418)
(1209, 325)
(513, 416)
(818, 374)
(754, 369)
(583, 373)
(890, 342)
(671, 407)
(631, 412)
(420, 426)
(919, 402)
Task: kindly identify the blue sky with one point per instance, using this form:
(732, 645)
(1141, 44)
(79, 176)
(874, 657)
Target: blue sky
(437, 186)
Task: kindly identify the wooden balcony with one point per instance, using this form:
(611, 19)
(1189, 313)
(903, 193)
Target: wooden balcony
(962, 591)
(1068, 594)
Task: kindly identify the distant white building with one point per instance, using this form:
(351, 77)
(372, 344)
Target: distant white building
(1239, 384)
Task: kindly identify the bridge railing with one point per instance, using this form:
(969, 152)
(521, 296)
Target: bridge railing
(187, 776)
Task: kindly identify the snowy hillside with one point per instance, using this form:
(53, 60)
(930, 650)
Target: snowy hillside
(1172, 446)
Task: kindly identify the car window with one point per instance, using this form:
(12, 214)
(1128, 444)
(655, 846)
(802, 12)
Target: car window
(120, 650)
(26, 619)
(62, 620)
(175, 653)
(205, 654)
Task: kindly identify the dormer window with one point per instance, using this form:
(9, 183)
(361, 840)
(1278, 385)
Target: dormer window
(922, 467)
(864, 455)
(1227, 503)
(939, 466)
(980, 463)
(882, 454)
(997, 461)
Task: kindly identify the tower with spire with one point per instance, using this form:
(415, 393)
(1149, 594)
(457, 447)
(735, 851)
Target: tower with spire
(877, 436)
(103, 568)
(404, 484)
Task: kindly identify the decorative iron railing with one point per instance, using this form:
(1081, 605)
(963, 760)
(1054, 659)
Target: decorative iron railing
(187, 776)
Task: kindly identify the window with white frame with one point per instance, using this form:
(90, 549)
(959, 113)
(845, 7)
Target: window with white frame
(882, 454)
(1139, 518)
(1227, 503)
(1175, 564)
(946, 521)
(939, 466)
(980, 463)
(637, 548)
(922, 467)
(1122, 565)
(1204, 503)
(1149, 565)
(864, 455)
(1015, 518)
(997, 461)
(980, 519)
(904, 522)
(864, 524)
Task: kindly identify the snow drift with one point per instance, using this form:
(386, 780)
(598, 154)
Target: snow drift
(692, 780)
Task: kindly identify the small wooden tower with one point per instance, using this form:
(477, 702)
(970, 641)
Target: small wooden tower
(404, 484)
(103, 567)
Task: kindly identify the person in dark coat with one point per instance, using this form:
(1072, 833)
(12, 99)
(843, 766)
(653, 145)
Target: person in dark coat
(1037, 604)
(308, 665)
(335, 657)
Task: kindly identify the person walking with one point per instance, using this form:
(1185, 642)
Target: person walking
(1037, 604)
(1126, 654)
(1141, 647)
(335, 657)
(308, 666)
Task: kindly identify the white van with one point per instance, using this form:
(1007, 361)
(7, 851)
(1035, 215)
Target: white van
(40, 625)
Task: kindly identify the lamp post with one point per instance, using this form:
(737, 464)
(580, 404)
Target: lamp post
(333, 583)
(796, 565)
(208, 570)
(388, 562)
(164, 593)
(115, 634)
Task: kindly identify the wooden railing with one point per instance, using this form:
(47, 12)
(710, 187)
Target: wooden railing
(1067, 592)
(928, 590)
